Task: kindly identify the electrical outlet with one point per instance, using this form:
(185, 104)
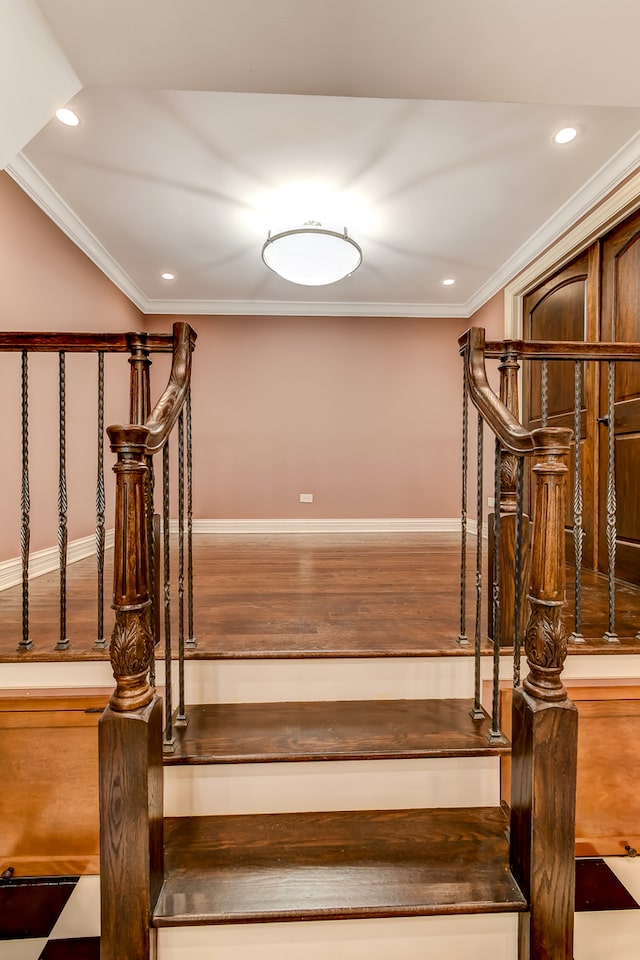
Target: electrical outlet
(306, 498)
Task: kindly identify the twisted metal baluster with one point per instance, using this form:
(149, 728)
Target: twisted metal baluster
(169, 739)
(463, 640)
(25, 506)
(610, 633)
(101, 642)
(494, 733)
(63, 642)
(578, 531)
(191, 639)
(544, 392)
(477, 712)
(517, 603)
(181, 717)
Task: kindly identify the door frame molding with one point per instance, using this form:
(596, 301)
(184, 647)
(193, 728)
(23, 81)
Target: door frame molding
(621, 202)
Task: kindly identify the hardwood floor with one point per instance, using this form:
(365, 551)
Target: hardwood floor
(329, 595)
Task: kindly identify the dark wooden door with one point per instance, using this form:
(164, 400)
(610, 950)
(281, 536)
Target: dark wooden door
(621, 321)
(562, 308)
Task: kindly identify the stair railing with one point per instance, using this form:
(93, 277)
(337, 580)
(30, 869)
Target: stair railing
(131, 729)
(544, 733)
(60, 346)
(609, 364)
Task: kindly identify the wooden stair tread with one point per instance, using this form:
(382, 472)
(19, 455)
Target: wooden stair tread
(335, 730)
(341, 865)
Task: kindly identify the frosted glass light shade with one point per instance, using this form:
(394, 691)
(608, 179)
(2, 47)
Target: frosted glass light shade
(311, 256)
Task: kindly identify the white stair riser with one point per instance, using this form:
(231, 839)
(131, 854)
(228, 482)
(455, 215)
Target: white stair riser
(261, 681)
(237, 681)
(484, 937)
(331, 785)
(390, 678)
(60, 674)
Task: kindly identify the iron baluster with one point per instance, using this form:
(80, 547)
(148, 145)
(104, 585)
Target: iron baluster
(544, 392)
(101, 642)
(191, 639)
(63, 641)
(463, 640)
(578, 531)
(517, 601)
(478, 713)
(169, 739)
(181, 717)
(494, 733)
(26, 643)
(611, 634)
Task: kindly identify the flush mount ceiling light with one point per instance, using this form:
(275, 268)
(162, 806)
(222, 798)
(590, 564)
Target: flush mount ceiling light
(311, 255)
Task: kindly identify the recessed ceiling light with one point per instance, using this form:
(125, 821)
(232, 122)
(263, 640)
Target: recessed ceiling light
(168, 276)
(68, 117)
(566, 135)
(449, 282)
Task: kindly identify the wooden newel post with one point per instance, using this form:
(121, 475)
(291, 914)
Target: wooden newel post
(545, 727)
(131, 641)
(546, 637)
(130, 730)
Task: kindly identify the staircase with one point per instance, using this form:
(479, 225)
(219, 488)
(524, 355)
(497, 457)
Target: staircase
(334, 810)
(274, 806)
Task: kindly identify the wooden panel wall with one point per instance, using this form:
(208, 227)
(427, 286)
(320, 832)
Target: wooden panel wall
(608, 800)
(49, 796)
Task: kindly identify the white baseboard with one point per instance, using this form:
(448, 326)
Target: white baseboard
(369, 525)
(472, 528)
(47, 561)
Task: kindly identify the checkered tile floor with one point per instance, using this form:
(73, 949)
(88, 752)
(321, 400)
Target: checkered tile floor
(50, 918)
(58, 918)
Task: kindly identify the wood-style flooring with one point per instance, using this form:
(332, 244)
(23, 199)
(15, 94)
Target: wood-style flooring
(329, 595)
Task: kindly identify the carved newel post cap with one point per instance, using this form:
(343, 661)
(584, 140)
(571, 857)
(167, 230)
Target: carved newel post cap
(129, 436)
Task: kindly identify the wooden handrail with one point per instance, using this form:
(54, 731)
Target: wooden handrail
(507, 428)
(561, 349)
(166, 411)
(82, 342)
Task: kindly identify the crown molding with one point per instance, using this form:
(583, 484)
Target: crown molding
(301, 308)
(592, 193)
(42, 193)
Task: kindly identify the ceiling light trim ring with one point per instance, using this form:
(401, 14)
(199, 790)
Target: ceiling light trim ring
(289, 270)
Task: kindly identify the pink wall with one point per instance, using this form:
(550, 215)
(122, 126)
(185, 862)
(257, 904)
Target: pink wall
(364, 413)
(48, 284)
(491, 317)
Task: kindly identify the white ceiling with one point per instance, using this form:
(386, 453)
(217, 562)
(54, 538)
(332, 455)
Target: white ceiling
(424, 127)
